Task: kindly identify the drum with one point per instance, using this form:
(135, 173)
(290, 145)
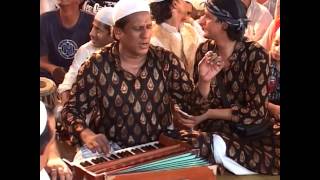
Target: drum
(48, 92)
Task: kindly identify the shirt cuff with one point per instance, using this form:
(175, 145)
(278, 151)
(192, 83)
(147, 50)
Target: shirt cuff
(235, 113)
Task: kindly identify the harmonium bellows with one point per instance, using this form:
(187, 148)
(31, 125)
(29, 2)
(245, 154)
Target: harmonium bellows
(164, 158)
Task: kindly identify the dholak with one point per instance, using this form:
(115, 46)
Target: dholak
(48, 93)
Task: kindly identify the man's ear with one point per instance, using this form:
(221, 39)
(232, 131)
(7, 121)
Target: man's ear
(174, 4)
(224, 25)
(117, 32)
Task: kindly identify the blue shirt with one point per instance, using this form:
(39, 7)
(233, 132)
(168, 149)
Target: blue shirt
(59, 43)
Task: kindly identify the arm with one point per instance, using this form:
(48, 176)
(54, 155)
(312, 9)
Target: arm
(84, 97)
(71, 76)
(254, 108)
(56, 72)
(46, 65)
(56, 166)
(192, 99)
(274, 109)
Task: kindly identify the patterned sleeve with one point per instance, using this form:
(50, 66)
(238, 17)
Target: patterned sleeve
(254, 111)
(201, 51)
(84, 96)
(182, 88)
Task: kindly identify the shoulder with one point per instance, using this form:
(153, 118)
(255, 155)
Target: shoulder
(263, 10)
(252, 45)
(48, 16)
(256, 52)
(162, 55)
(85, 48)
(86, 15)
(158, 51)
(206, 46)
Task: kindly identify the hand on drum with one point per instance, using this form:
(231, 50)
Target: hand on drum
(58, 75)
(95, 142)
(58, 168)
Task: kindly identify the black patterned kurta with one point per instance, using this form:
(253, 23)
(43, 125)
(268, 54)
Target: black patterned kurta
(245, 82)
(133, 109)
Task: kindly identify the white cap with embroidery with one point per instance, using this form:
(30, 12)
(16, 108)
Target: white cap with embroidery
(126, 7)
(104, 15)
(43, 117)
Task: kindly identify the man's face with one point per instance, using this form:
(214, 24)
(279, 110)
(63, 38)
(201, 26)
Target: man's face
(210, 25)
(135, 37)
(180, 7)
(275, 47)
(188, 8)
(100, 35)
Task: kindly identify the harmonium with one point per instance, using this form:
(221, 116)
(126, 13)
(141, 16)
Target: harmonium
(166, 159)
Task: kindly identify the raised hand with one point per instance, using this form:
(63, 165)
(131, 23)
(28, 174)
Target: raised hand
(210, 65)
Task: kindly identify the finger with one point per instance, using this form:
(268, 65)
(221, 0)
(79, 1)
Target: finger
(189, 125)
(103, 144)
(187, 121)
(53, 174)
(68, 173)
(97, 147)
(92, 146)
(61, 173)
(106, 147)
(69, 176)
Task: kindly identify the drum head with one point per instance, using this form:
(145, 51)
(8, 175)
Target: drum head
(47, 86)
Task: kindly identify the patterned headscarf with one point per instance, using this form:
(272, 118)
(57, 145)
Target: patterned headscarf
(240, 24)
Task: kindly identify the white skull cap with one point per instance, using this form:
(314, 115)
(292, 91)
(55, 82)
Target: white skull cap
(43, 117)
(127, 7)
(104, 15)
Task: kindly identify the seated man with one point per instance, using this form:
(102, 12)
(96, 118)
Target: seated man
(62, 32)
(100, 36)
(49, 155)
(245, 137)
(131, 83)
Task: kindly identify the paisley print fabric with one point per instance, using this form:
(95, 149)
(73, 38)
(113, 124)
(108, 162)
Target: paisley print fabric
(134, 109)
(245, 82)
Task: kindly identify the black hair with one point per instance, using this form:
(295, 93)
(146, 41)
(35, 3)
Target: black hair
(237, 9)
(161, 11)
(121, 23)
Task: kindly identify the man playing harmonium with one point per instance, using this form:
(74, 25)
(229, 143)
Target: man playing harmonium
(131, 83)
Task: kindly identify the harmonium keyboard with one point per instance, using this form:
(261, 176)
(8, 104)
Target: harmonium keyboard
(164, 159)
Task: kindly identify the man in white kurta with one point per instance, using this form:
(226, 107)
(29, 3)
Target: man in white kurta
(260, 19)
(100, 36)
(173, 33)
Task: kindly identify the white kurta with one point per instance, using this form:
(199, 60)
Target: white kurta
(44, 175)
(260, 19)
(83, 53)
(183, 42)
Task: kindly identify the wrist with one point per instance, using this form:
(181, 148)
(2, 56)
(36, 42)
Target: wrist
(203, 82)
(85, 133)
